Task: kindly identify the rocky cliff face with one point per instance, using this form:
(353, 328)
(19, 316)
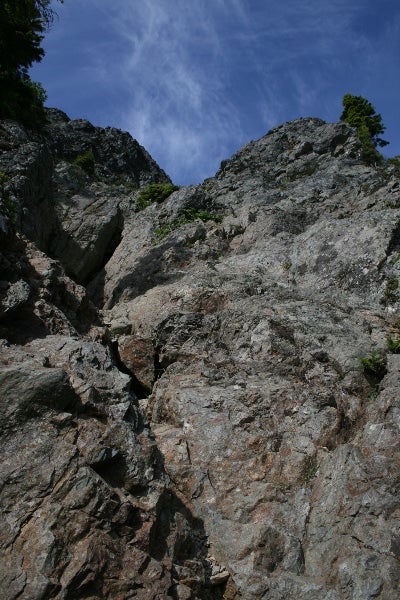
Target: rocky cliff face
(184, 410)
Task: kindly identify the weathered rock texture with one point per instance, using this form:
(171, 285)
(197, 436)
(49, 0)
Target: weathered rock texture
(184, 411)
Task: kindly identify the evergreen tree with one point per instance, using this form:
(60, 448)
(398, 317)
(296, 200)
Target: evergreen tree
(359, 112)
(22, 27)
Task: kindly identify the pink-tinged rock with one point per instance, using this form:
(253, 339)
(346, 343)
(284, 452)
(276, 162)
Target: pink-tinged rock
(137, 354)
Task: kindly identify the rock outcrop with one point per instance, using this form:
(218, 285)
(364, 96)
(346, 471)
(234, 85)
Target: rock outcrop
(184, 409)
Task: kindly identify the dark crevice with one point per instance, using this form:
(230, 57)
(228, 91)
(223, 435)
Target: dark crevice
(109, 251)
(394, 242)
(144, 566)
(113, 471)
(159, 368)
(136, 387)
(343, 433)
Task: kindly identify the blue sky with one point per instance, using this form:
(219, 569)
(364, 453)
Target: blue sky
(194, 81)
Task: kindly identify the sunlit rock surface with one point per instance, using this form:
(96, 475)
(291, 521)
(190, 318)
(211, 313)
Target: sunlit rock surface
(184, 410)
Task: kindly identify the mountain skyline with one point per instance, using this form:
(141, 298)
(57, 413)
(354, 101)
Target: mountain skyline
(194, 84)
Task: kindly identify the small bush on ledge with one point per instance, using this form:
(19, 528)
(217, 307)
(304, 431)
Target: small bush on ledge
(155, 192)
(390, 295)
(374, 364)
(186, 215)
(86, 161)
(393, 345)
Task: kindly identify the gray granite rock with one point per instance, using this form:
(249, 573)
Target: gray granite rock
(210, 430)
(71, 213)
(258, 324)
(87, 507)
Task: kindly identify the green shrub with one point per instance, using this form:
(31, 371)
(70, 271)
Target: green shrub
(393, 345)
(393, 204)
(309, 469)
(374, 364)
(287, 265)
(390, 294)
(9, 207)
(395, 161)
(86, 161)
(22, 100)
(359, 113)
(186, 215)
(7, 204)
(374, 391)
(370, 154)
(155, 192)
(22, 25)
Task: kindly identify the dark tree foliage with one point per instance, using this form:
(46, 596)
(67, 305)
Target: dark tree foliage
(359, 113)
(22, 27)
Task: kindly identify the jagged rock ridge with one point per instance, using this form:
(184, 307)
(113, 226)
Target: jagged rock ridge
(184, 409)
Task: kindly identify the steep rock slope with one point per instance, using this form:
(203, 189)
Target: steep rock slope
(253, 329)
(88, 510)
(219, 436)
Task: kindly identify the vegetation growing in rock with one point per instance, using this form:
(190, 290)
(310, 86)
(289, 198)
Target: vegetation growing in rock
(374, 364)
(7, 204)
(395, 161)
(86, 161)
(309, 469)
(393, 345)
(155, 192)
(231, 231)
(287, 265)
(374, 391)
(186, 215)
(390, 295)
(359, 112)
(22, 25)
(9, 207)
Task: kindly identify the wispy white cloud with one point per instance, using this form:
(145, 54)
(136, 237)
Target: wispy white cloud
(174, 67)
(192, 82)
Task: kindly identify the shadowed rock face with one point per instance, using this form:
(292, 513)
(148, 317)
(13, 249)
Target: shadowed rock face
(71, 212)
(184, 412)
